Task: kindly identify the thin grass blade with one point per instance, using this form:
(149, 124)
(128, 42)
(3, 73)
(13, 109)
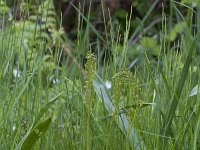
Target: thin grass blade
(88, 22)
(175, 99)
(45, 108)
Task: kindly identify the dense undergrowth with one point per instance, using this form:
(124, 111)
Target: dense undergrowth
(54, 98)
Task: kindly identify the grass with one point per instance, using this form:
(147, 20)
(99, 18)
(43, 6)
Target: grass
(149, 107)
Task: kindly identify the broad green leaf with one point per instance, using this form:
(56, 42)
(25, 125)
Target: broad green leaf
(148, 42)
(178, 28)
(35, 134)
(42, 111)
(150, 45)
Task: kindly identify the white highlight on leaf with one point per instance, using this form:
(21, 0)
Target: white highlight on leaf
(54, 80)
(108, 84)
(14, 128)
(194, 91)
(16, 73)
(154, 96)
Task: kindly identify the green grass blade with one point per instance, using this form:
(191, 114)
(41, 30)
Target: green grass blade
(175, 99)
(23, 89)
(8, 64)
(139, 105)
(126, 109)
(88, 22)
(35, 134)
(42, 111)
(168, 86)
(45, 108)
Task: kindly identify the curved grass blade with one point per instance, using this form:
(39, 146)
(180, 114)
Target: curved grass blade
(45, 108)
(35, 134)
(42, 111)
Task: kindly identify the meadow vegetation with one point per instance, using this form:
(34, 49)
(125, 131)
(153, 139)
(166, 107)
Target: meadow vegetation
(133, 84)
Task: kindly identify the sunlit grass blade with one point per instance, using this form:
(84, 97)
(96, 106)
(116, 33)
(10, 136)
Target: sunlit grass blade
(194, 91)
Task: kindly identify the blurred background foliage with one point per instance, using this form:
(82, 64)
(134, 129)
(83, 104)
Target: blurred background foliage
(151, 23)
